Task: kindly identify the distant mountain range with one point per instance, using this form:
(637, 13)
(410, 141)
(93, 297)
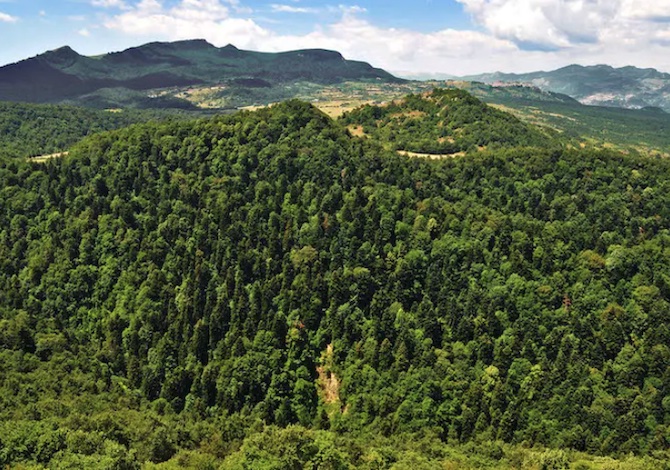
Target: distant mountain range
(167, 74)
(626, 87)
(645, 130)
(63, 75)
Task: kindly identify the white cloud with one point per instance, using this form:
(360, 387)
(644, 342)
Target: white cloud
(278, 8)
(649, 10)
(348, 9)
(517, 35)
(563, 24)
(209, 19)
(5, 18)
(355, 38)
(109, 3)
(84, 32)
(544, 24)
(447, 51)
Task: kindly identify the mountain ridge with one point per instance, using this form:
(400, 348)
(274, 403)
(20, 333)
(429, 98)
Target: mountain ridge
(64, 74)
(604, 85)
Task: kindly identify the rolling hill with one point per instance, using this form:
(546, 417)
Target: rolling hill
(632, 130)
(442, 122)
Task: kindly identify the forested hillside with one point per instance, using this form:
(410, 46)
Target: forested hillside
(263, 290)
(28, 130)
(631, 130)
(444, 121)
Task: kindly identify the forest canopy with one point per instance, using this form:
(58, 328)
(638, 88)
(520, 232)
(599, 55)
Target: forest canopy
(264, 290)
(29, 130)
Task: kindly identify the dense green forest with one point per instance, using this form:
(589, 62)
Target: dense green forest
(28, 130)
(264, 290)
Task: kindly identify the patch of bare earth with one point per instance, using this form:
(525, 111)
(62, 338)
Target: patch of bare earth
(44, 158)
(356, 131)
(328, 383)
(432, 156)
(335, 108)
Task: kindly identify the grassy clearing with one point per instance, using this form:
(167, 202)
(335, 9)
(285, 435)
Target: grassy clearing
(44, 158)
(337, 108)
(432, 156)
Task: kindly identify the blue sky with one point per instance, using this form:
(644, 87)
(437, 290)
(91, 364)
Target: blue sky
(420, 36)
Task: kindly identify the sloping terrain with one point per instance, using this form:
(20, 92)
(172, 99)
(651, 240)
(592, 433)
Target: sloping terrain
(29, 130)
(168, 291)
(63, 74)
(632, 130)
(602, 85)
(442, 122)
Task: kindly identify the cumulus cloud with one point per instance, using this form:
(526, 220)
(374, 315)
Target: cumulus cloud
(109, 4)
(516, 35)
(354, 37)
(552, 25)
(656, 10)
(544, 24)
(209, 19)
(390, 47)
(84, 32)
(5, 18)
(447, 51)
(279, 8)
